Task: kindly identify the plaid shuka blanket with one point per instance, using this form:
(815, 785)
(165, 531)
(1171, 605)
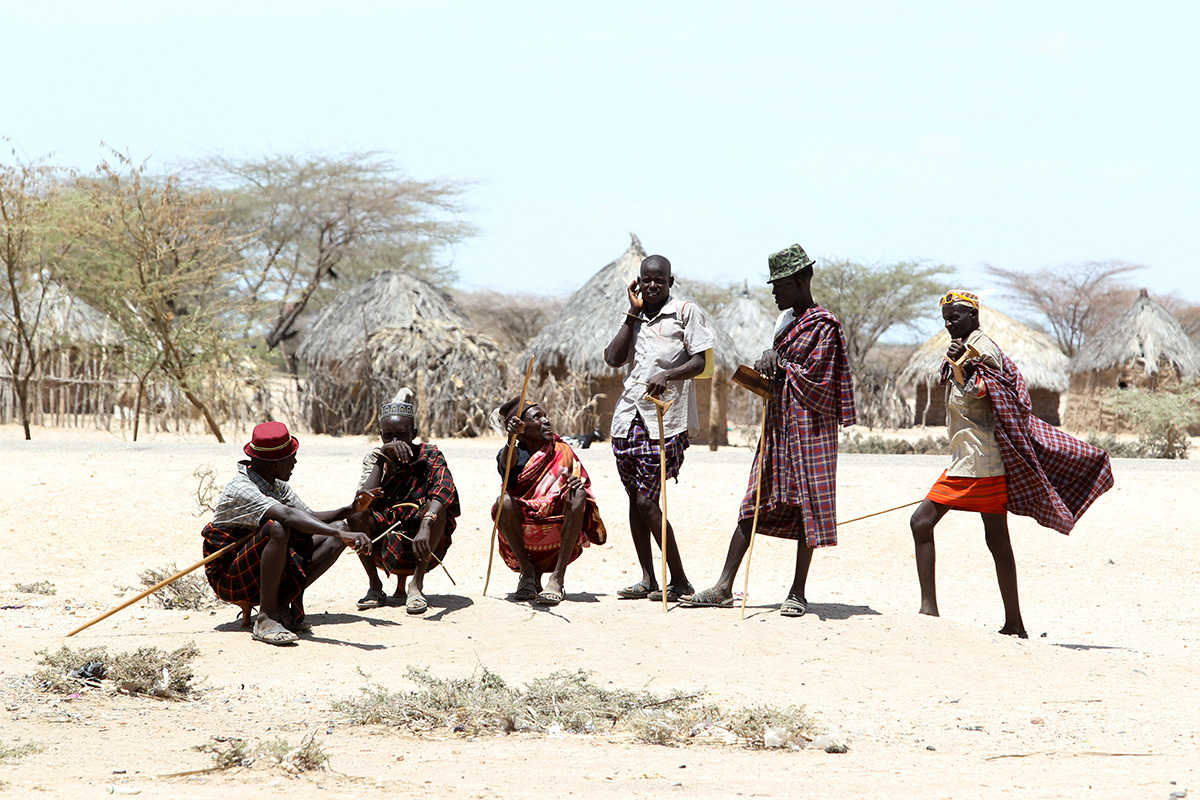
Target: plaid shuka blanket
(799, 485)
(1052, 477)
(426, 478)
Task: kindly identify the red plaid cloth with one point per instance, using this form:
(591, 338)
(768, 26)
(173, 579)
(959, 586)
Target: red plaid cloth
(539, 491)
(235, 576)
(637, 459)
(427, 477)
(799, 486)
(1052, 477)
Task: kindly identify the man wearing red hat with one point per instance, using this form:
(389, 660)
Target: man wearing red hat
(290, 545)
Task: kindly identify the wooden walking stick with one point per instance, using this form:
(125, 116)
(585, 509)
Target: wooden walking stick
(512, 438)
(410, 539)
(754, 381)
(762, 446)
(660, 407)
(164, 582)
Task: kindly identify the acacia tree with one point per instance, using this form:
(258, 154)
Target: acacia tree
(30, 243)
(312, 220)
(160, 261)
(1075, 300)
(872, 299)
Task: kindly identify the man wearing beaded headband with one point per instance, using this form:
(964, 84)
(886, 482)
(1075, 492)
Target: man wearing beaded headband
(1002, 458)
(417, 502)
(291, 546)
(667, 342)
(549, 513)
(812, 395)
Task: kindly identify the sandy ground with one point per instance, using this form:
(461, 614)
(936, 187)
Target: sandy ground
(1102, 701)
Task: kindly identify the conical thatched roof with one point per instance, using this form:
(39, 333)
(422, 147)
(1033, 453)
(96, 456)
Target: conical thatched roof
(1035, 354)
(749, 325)
(390, 300)
(1146, 334)
(575, 339)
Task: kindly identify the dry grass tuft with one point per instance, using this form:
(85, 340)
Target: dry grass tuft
(147, 670)
(191, 592)
(41, 587)
(15, 751)
(569, 702)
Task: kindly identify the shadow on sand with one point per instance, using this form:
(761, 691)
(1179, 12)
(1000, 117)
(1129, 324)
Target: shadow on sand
(822, 611)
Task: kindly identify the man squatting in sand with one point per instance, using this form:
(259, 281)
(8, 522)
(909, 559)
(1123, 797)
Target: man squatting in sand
(417, 493)
(812, 394)
(1002, 459)
(291, 547)
(666, 340)
(549, 513)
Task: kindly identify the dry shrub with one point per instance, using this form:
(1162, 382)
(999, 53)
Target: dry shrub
(147, 670)
(228, 752)
(568, 702)
(190, 593)
(41, 587)
(207, 489)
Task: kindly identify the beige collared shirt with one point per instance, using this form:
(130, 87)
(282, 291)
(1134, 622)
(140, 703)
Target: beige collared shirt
(971, 420)
(676, 333)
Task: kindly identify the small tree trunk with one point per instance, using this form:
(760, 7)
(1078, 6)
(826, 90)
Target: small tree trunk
(208, 417)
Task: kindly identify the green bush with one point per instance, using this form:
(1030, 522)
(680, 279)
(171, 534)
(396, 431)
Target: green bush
(1160, 417)
(878, 445)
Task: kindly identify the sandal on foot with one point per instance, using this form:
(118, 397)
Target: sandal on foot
(639, 591)
(793, 607)
(527, 589)
(416, 604)
(274, 634)
(706, 598)
(673, 594)
(374, 598)
(549, 598)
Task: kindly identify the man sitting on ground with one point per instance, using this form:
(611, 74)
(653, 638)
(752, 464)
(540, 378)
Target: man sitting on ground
(288, 546)
(549, 513)
(418, 504)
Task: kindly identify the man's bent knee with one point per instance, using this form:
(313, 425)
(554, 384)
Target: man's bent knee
(277, 532)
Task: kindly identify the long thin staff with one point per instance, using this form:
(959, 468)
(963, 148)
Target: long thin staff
(410, 539)
(512, 437)
(877, 513)
(164, 582)
(762, 446)
(660, 407)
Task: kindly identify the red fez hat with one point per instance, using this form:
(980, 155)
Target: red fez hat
(271, 442)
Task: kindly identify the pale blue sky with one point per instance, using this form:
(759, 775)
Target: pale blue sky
(1017, 134)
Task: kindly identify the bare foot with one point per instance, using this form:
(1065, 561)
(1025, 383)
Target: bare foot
(1015, 630)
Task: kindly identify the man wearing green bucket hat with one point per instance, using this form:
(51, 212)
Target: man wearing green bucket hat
(812, 394)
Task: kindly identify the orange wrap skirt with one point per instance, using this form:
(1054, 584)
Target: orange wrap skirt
(984, 495)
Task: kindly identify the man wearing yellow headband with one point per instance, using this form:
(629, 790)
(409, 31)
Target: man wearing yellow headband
(1002, 458)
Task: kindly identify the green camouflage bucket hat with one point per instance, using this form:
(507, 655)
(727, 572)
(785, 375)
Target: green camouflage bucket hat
(788, 262)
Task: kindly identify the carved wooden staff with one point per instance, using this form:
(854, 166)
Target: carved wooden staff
(660, 407)
(512, 438)
(165, 582)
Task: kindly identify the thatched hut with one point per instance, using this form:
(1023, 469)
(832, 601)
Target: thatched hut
(1145, 348)
(751, 328)
(573, 343)
(1035, 354)
(75, 375)
(395, 330)
(749, 325)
